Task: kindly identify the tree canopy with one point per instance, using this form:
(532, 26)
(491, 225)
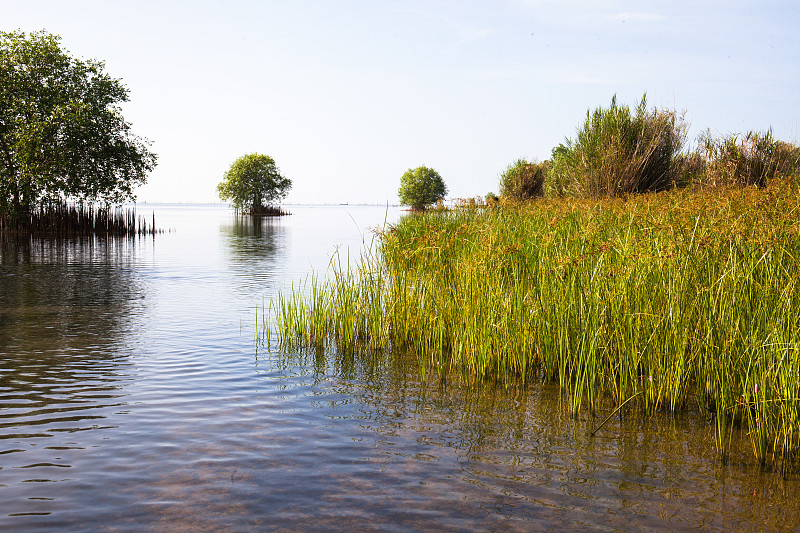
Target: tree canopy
(253, 183)
(62, 133)
(420, 187)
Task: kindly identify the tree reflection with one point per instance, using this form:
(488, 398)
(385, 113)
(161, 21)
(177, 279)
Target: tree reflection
(66, 310)
(255, 245)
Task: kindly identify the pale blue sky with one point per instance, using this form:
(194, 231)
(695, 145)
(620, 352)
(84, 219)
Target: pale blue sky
(346, 95)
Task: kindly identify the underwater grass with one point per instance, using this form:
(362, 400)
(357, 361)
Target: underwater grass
(669, 301)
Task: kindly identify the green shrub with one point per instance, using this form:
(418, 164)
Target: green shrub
(618, 151)
(788, 158)
(421, 187)
(523, 180)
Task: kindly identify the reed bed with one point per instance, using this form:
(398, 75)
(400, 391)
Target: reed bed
(669, 301)
(265, 211)
(619, 151)
(69, 220)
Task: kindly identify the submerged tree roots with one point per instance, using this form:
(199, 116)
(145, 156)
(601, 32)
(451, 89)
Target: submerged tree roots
(670, 301)
(78, 220)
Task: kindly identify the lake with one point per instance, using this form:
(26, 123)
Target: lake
(133, 396)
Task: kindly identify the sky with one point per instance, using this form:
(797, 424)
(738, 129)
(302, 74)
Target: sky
(346, 95)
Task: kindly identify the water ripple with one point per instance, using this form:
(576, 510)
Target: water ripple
(132, 398)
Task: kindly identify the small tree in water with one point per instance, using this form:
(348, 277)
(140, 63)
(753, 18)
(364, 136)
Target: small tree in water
(421, 187)
(254, 184)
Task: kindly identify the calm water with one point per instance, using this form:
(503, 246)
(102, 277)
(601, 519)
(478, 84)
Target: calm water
(132, 396)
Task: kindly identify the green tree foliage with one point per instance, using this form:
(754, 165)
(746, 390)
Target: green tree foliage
(421, 187)
(619, 151)
(62, 134)
(253, 183)
(523, 180)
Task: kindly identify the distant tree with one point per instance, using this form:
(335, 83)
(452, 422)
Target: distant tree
(62, 134)
(421, 187)
(253, 184)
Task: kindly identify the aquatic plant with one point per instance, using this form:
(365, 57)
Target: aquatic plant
(61, 219)
(670, 301)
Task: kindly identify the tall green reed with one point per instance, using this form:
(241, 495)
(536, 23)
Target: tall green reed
(619, 151)
(742, 160)
(670, 301)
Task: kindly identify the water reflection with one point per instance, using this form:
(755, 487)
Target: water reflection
(255, 246)
(488, 457)
(66, 307)
(67, 295)
(134, 400)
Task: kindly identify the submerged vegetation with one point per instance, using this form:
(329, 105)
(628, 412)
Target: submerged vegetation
(71, 220)
(684, 298)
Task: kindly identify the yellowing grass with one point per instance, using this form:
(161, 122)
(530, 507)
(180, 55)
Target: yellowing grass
(671, 300)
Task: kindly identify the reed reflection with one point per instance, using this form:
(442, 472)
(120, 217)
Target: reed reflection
(516, 453)
(67, 309)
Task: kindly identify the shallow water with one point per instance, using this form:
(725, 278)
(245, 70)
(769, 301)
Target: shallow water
(133, 396)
